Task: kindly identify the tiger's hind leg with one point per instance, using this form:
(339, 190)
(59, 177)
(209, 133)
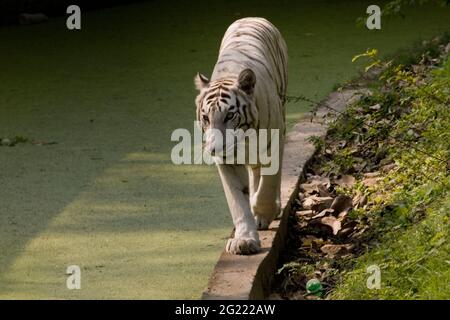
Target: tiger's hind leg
(265, 199)
(235, 183)
(265, 202)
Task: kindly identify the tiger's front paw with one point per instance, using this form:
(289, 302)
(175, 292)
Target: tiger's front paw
(243, 245)
(262, 223)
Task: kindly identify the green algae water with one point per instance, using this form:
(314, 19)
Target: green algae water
(105, 195)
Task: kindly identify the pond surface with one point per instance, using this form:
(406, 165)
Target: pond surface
(106, 196)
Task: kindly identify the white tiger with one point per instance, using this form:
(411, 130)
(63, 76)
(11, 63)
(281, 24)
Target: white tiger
(247, 90)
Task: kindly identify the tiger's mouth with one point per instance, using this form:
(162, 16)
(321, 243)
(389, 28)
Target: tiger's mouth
(228, 150)
(220, 150)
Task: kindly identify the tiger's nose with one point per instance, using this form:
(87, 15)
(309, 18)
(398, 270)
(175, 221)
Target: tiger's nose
(214, 142)
(211, 146)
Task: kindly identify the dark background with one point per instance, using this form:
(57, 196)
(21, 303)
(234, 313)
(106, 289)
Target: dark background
(10, 9)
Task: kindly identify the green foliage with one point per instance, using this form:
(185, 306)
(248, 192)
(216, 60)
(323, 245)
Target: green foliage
(372, 55)
(318, 142)
(396, 6)
(414, 263)
(410, 208)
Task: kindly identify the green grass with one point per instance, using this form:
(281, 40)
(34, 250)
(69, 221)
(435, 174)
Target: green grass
(414, 264)
(412, 204)
(106, 196)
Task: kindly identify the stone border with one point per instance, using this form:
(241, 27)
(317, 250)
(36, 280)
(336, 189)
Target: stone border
(249, 277)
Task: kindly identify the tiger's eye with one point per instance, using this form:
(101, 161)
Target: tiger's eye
(229, 116)
(205, 118)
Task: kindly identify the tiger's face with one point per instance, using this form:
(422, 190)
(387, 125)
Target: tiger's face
(225, 104)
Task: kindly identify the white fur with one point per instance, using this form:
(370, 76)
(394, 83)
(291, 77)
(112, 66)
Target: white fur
(241, 49)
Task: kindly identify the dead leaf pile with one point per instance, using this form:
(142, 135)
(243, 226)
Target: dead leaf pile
(323, 213)
(323, 233)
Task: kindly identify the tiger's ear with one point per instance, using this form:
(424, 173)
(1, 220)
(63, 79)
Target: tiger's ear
(246, 81)
(200, 81)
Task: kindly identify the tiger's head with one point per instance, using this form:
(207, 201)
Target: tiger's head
(223, 104)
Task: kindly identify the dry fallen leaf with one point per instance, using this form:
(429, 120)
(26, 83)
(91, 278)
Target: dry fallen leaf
(316, 185)
(342, 203)
(341, 216)
(345, 181)
(323, 191)
(308, 202)
(317, 203)
(318, 179)
(359, 201)
(345, 232)
(372, 174)
(332, 222)
(323, 213)
(388, 167)
(304, 213)
(370, 181)
(334, 249)
(309, 188)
